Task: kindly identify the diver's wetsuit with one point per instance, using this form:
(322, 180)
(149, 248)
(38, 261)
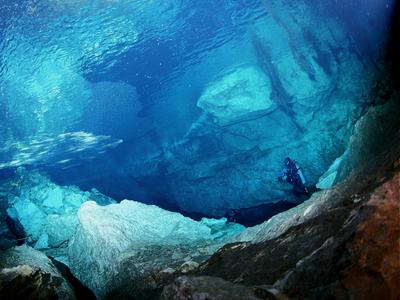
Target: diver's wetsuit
(291, 175)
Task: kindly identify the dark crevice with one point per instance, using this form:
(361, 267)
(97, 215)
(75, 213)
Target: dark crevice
(279, 94)
(81, 291)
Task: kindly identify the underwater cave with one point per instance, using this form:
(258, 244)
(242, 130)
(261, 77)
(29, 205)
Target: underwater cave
(192, 150)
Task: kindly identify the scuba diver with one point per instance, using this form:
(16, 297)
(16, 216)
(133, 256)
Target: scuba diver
(293, 174)
(231, 215)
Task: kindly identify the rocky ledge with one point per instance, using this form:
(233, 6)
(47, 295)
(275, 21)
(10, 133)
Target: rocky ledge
(338, 254)
(342, 243)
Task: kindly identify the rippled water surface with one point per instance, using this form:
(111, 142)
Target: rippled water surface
(64, 61)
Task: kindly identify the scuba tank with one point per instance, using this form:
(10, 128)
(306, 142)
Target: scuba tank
(300, 173)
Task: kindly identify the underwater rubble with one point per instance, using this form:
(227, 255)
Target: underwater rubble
(123, 242)
(44, 214)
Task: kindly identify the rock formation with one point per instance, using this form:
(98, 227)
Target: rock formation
(241, 95)
(46, 213)
(339, 253)
(340, 243)
(26, 273)
(128, 242)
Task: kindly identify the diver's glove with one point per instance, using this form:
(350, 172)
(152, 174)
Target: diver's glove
(280, 176)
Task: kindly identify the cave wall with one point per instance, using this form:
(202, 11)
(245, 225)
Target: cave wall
(294, 90)
(189, 110)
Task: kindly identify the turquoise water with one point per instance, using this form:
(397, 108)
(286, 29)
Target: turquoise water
(191, 105)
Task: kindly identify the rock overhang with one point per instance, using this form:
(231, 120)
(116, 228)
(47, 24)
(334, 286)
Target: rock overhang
(239, 95)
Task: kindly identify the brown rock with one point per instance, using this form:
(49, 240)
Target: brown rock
(349, 250)
(375, 265)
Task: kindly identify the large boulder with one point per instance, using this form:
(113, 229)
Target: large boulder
(129, 241)
(29, 274)
(241, 94)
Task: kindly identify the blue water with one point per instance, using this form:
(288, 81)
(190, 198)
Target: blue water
(96, 93)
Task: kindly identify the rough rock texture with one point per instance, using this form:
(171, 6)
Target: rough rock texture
(44, 211)
(342, 243)
(362, 261)
(341, 252)
(129, 242)
(241, 95)
(29, 274)
(372, 134)
(376, 255)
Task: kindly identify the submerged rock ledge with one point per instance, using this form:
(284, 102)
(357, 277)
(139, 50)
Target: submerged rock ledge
(340, 252)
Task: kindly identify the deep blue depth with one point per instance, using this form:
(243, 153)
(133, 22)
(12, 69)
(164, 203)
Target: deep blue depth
(106, 95)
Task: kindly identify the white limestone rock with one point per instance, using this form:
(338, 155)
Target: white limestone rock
(60, 228)
(241, 94)
(42, 242)
(279, 223)
(220, 229)
(29, 215)
(54, 200)
(133, 238)
(47, 212)
(74, 200)
(327, 180)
